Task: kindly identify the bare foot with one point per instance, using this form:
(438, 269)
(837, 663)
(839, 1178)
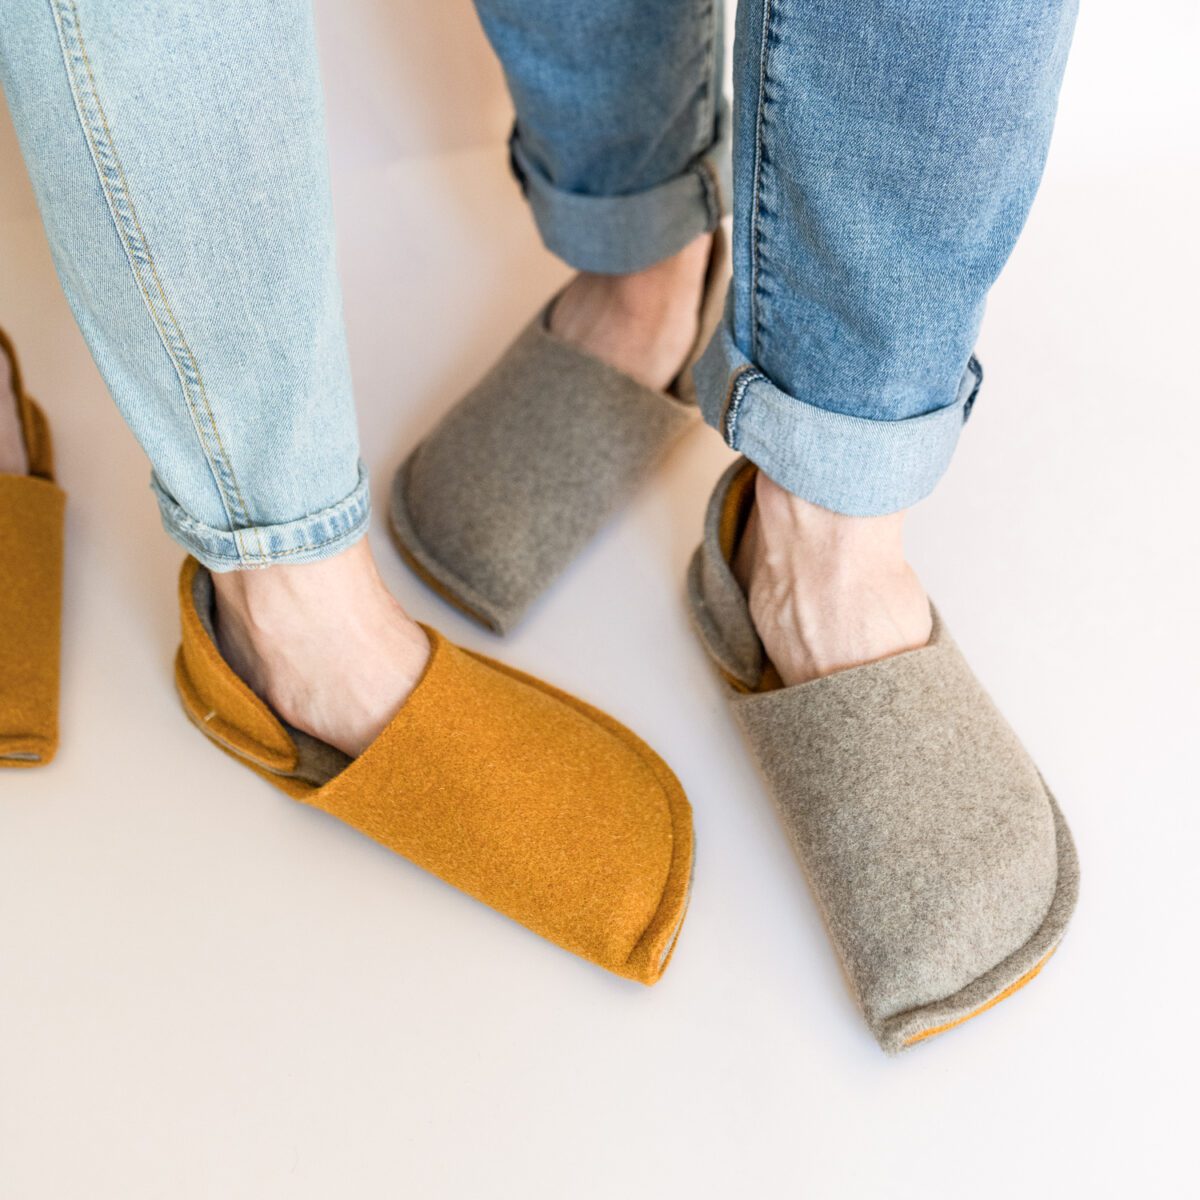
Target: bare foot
(827, 592)
(14, 457)
(643, 324)
(324, 644)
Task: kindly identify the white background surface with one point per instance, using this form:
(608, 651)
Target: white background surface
(208, 991)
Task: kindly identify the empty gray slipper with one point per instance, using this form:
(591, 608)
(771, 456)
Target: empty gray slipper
(943, 868)
(530, 464)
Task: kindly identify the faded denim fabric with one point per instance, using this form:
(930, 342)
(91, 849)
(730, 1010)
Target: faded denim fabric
(177, 152)
(885, 155)
(621, 136)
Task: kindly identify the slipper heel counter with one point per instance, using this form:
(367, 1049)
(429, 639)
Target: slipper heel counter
(213, 696)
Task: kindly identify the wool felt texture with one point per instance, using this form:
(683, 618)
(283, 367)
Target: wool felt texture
(523, 472)
(941, 863)
(31, 572)
(506, 788)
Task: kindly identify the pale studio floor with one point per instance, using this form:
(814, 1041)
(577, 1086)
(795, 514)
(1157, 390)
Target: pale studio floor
(208, 991)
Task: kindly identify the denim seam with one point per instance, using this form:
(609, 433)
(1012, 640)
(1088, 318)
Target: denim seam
(976, 369)
(738, 384)
(203, 533)
(708, 101)
(711, 190)
(756, 192)
(115, 185)
(209, 538)
(265, 558)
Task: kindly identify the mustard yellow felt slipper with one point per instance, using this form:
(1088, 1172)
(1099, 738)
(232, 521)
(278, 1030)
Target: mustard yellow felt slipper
(525, 798)
(31, 564)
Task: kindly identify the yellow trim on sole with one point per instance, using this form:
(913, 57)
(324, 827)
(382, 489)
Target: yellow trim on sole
(1004, 995)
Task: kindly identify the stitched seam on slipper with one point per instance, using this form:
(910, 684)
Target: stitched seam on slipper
(949, 999)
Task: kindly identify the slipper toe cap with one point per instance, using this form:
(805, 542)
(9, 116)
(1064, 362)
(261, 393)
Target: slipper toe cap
(524, 471)
(534, 803)
(931, 841)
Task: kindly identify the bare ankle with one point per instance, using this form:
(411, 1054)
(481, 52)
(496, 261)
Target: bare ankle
(270, 599)
(674, 280)
(826, 536)
(643, 323)
(827, 591)
(323, 643)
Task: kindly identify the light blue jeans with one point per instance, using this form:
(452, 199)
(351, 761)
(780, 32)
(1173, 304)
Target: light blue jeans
(177, 152)
(884, 157)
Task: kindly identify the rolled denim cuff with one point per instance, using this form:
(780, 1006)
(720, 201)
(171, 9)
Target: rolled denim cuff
(614, 235)
(853, 465)
(321, 535)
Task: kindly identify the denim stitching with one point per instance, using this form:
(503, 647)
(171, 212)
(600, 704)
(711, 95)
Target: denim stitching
(209, 539)
(351, 509)
(737, 392)
(265, 558)
(976, 369)
(710, 191)
(756, 196)
(111, 172)
(708, 103)
(355, 511)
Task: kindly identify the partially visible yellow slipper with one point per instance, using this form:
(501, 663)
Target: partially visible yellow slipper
(525, 798)
(31, 557)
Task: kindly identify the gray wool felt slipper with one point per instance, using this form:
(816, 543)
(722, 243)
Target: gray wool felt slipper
(942, 865)
(530, 464)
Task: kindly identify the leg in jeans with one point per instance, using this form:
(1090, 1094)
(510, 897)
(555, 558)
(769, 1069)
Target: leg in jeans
(177, 151)
(621, 146)
(886, 155)
(178, 157)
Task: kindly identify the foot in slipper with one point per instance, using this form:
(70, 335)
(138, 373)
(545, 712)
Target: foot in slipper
(529, 465)
(525, 798)
(31, 550)
(940, 860)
